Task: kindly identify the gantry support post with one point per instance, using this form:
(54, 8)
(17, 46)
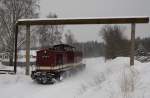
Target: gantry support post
(132, 44)
(16, 37)
(27, 49)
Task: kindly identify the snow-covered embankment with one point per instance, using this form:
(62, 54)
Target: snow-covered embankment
(113, 79)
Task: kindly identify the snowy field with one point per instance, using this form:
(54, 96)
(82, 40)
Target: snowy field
(113, 79)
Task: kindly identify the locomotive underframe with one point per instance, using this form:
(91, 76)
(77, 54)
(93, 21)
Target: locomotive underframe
(52, 75)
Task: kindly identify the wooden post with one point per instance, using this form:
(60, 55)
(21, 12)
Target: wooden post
(16, 37)
(27, 49)
(132, 44)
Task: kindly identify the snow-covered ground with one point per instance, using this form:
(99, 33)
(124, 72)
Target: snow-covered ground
(113, 79)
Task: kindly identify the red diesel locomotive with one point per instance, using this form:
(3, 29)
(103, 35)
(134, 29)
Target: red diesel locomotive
(54, 63)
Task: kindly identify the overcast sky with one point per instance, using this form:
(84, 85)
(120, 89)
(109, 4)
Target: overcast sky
(97, 8)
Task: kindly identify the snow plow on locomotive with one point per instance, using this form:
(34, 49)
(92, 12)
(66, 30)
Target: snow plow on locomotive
(55, 63)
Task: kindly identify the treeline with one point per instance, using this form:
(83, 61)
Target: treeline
(117, 45)
(90, 48)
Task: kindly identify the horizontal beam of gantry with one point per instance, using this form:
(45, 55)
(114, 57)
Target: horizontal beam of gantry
(73, 21)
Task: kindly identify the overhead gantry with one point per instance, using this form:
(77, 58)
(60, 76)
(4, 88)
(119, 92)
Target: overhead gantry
(76, 21)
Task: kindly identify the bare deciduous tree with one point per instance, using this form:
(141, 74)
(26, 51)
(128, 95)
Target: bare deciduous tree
(69, 38)
(50, 34)
(115, 43)
(10, 12)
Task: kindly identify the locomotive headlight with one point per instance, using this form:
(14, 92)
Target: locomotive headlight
(45, 51)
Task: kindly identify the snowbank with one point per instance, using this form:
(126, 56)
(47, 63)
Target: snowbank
(113, 79)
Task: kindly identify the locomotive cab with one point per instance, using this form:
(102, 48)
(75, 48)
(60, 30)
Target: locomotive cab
(53, 62)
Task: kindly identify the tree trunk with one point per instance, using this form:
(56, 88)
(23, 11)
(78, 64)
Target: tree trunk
(11, 59)
(12, 44)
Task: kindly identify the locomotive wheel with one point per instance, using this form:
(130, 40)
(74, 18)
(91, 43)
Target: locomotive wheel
(44, 80)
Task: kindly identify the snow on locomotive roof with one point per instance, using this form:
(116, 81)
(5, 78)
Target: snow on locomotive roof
(64, 45)
(88, 20)
(58, 46)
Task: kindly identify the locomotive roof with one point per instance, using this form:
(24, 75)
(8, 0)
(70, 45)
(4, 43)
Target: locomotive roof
(63, 45)
(60, 46)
